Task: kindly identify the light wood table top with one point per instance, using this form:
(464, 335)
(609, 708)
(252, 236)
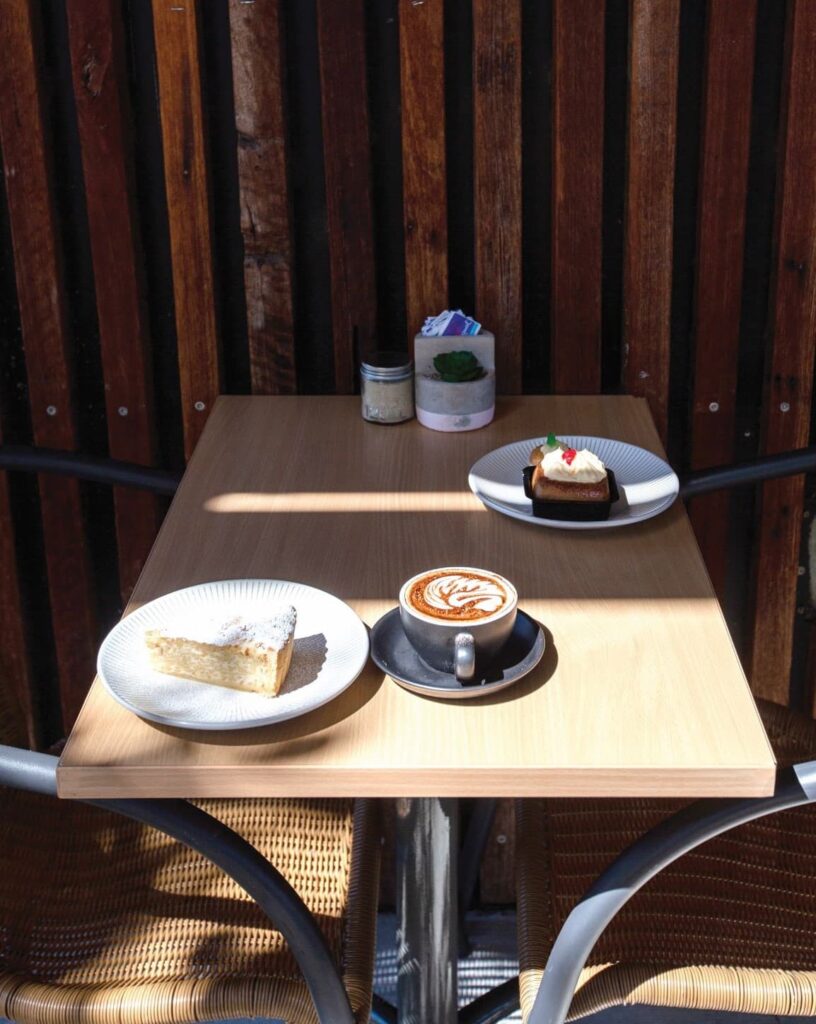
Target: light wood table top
(640, 691)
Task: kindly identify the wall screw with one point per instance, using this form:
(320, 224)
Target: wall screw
(642, 374)
(51, 410)
(713, 406)
(501, 839)
(122, 410)
(784, 406)
(199, 407)
(801, 570)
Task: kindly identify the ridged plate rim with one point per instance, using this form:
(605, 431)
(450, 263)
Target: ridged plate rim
(347, 649)
(620, 456)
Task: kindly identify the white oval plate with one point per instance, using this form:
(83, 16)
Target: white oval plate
(647, 483)
(331, 648)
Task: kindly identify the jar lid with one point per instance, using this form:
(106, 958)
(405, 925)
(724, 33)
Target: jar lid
(387, 365)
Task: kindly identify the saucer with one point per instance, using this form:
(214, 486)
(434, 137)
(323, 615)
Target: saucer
(393, 653)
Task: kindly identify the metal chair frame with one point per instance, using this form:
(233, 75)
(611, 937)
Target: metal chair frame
(645, 858)
(654, 851)
(88, 467)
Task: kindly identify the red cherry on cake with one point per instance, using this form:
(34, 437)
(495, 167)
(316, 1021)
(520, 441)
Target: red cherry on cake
(568, 455)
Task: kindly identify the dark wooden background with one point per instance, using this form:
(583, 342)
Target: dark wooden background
(247, 195)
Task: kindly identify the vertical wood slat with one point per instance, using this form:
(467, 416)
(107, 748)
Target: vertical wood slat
(175, 30)
(790, 361)
(15, 671)
(497, 180)
(41, 299)
(578, 110)
(422, 89)
(99, 75)
(720, 240)
(258, 75)
(346, 155)
(647, 271)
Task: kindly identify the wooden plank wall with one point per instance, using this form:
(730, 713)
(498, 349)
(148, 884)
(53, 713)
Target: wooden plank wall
(259, 71)
(43, 310)
(497, 179)
(578, 123)
(424, 198)
(725, 137)
(186, 179)
(653, 65)
(99, 72)
(345, 202)
(786, 409)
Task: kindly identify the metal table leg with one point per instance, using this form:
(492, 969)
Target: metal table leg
(427, 845)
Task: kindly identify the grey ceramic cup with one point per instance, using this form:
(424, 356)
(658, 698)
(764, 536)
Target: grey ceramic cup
(456, 646)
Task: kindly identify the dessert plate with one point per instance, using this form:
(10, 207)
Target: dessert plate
(391, 650)
(647, 484)
(330, 650)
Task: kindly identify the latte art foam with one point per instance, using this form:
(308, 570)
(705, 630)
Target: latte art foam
(458, 595)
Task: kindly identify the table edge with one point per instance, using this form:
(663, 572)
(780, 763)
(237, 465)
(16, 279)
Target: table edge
(106, 782)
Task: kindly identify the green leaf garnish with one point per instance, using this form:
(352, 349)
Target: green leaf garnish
(552, 440)
(456, 367)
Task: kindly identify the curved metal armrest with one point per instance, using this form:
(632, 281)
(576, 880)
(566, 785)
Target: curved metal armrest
(24, 769)
(88, 467)
(802, 460)
(641, 861)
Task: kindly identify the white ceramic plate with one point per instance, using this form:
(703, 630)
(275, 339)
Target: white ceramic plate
(646, 483)
(331, 648)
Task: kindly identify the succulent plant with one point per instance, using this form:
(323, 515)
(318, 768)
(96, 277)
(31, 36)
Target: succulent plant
(456, 367)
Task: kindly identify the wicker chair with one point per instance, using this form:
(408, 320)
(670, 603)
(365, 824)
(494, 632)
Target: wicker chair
(730, 925)
(106, 918)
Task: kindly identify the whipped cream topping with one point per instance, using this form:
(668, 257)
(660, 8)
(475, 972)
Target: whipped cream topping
(270, 633)
(582, 468)
(456, 591)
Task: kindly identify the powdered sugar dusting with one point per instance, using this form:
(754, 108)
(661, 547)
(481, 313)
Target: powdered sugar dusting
(272, 632)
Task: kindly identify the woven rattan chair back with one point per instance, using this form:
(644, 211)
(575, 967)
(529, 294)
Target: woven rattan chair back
(106, 921)
(729, 926)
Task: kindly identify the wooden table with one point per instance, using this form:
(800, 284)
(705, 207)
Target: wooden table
(640, 692)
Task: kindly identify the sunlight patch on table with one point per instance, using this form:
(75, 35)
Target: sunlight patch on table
(344, 501)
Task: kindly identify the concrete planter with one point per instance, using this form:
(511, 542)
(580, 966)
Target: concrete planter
(466, 405)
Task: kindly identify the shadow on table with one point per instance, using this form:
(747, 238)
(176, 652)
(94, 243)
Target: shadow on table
(529, 684)
(308, 656)
(307, 728)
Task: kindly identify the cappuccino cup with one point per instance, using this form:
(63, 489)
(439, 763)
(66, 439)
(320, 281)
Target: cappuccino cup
(456, 615)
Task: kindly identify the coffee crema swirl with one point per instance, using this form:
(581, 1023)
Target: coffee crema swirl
(462, 596)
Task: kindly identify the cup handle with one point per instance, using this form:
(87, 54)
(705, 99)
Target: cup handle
(464, 657)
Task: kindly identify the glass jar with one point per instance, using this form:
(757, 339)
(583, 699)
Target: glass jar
(387, 387)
